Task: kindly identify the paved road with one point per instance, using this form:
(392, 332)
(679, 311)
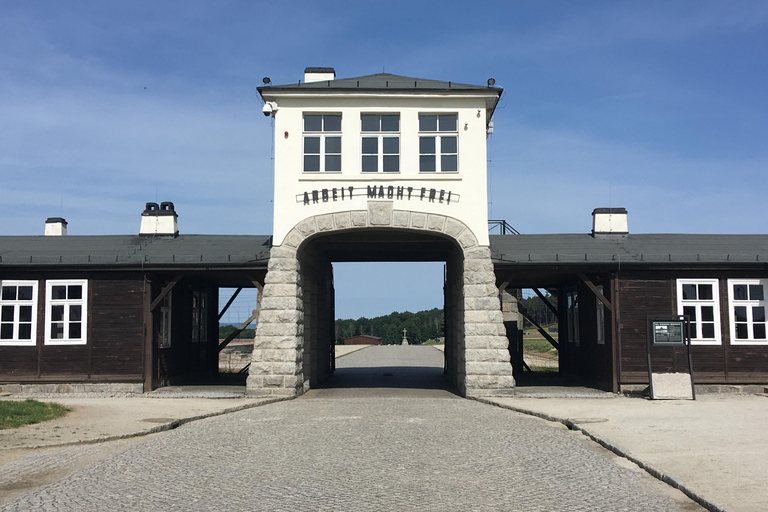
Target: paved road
(379, 446)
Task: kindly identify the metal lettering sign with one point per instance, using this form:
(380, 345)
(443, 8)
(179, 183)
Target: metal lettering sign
(668, 333)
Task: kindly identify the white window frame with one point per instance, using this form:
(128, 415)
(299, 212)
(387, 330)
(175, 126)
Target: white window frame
(749, 304)
(698, 304)
(379, 135)
(322, 135)
(50, 302)
(16, 304)
(438, 135)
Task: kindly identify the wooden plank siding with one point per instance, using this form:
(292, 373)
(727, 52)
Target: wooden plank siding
(642, 295)
(114, 336)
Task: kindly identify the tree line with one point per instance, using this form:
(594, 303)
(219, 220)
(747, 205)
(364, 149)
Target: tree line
(537, 310)
(421, 327)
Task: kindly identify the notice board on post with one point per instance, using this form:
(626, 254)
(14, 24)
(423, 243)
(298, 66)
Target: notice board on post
(669, 332)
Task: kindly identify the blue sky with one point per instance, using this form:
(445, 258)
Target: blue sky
(656, 106)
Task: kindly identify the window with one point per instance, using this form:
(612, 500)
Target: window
(438, 152)
(66, 310)
(322, 152)
(381, 142)
(698, 299)
(600, 313)
(18, 313)
(573, 318)
(164, 339)
(746, 302)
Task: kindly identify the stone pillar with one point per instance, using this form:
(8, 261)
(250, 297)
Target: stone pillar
(277, 361)
(488, 368)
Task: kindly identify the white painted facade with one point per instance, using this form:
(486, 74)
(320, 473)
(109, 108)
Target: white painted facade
(461, 195)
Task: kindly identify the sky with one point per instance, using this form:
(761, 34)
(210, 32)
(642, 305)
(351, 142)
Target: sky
(656, 106)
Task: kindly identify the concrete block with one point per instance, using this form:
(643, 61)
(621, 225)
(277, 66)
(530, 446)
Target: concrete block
(418, 220)
(436, 223)
(307, 227)
(273, 381)
(324, 222)
(359, 219)
(280, 277)
(342, 220)
(453, 227)
(293, 239)
(380, 213)
(280, 251)
(401, 219)
(291, 264)
(467, 239)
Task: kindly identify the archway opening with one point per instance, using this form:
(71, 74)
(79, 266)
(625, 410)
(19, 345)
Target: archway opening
(376, 288)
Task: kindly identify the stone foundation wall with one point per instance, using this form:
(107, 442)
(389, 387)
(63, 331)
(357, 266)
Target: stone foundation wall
(74, 387)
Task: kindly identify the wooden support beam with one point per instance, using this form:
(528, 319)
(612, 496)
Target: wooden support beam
(546, 302)
(503, 287)
(597, 293)
(165, 291)
(544, 333)
(240, 329)
(229, 302)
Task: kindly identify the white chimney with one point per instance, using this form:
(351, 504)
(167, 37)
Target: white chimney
(318, 74)
(55, 226)
(609, 221)
(159, 220)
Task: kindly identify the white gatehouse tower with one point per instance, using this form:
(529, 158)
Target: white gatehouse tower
(377, 168)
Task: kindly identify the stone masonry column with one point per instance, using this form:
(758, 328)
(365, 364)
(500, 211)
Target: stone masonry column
(488, 368)
(277, 362)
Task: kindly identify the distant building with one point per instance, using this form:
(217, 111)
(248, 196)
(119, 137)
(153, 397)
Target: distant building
(362, 339)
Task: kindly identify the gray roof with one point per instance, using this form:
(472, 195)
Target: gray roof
(130, 251)
(379, 82)
(629, 249)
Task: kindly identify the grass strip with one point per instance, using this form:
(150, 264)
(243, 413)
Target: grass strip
(15, 414)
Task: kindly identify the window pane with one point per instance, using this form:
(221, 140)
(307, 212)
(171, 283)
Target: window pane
(370, 122)
(58, 292)
(311, 144)
(332, 123)
(311, 163)
(740, 313)
(427, 123)
(759, 331)
(74, 330)
(448, 145)
(332, 145)
(25, 293)
(370, 145)
(741, 332)
(708, 331)
(313, 123)
(370, 163)
(57, 313)
(426, 145)
(391, 163)
(449, 163)
(390, 123)
(75, 313)
(448, 122)
(689, 292)
(755, 292)
(758, 314)
(333, 163)
(9, 293)
(25, 331)
(707, 314)
(7, 314)
(427, 163)
(740, 292)
(705, 292)
(57, 331)
(391, 145)
(6, 331)
(74, 292)
(694, 332)
(25, 314)
(690, 312)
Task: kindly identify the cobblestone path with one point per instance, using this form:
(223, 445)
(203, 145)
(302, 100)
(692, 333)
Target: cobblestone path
(363, 448)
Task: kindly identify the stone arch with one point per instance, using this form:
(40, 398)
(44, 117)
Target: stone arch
(478, 361)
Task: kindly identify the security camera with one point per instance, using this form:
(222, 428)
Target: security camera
(269, 108)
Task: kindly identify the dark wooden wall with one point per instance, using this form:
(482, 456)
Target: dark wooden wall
(648, 293)
(114, 347)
